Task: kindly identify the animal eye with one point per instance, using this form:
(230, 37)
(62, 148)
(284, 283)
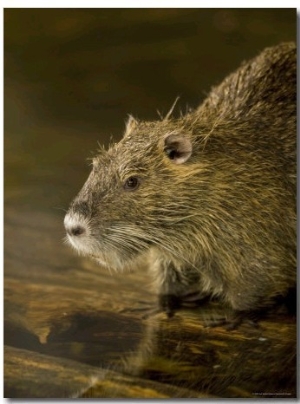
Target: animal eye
(131, 184)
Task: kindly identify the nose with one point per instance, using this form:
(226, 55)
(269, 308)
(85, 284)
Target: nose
(73, 226)
(75, 231)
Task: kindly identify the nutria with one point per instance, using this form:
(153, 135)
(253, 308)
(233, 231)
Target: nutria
(210, 195)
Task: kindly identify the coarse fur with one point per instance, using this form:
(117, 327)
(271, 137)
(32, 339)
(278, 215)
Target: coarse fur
(214, 206)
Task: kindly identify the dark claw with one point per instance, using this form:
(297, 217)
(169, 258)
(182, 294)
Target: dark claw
(169, 304)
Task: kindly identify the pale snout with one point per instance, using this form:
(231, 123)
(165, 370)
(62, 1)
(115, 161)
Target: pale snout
(77, 227)
(76, 219)
(74, 225)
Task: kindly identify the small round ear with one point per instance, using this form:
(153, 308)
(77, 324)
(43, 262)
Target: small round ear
(178, 148)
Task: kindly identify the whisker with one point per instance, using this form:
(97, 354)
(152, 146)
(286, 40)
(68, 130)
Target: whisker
(59, 208)
(149, 239)
(171, 109)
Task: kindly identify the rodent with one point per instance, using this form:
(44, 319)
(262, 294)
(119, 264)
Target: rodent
(209, 197)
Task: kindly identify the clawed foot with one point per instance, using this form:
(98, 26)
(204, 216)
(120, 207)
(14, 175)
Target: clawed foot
(169, 303)
(233, 321)
(286, 304)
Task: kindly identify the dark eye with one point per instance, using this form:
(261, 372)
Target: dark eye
(131, 184)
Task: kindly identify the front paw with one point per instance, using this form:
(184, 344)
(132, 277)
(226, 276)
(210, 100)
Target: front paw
(170, 303)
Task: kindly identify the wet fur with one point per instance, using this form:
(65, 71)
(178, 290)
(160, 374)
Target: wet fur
(224, 221)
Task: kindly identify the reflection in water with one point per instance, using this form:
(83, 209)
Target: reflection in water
(97, 339)
(182, 353)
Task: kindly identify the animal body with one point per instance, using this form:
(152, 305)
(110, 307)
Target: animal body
(210, 196)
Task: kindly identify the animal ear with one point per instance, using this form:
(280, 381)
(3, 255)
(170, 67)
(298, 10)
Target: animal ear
(178, 148)
(130, 125)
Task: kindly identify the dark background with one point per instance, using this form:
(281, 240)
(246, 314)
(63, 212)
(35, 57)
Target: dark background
(73, 75)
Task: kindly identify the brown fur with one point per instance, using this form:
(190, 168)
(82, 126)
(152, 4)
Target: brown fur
(216, 202)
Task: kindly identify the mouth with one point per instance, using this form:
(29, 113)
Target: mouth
(114, 249)
(112, 259)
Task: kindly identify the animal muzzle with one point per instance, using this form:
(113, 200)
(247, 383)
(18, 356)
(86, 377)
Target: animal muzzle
(78, 230)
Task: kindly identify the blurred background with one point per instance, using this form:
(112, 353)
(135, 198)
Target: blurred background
(73, 75)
